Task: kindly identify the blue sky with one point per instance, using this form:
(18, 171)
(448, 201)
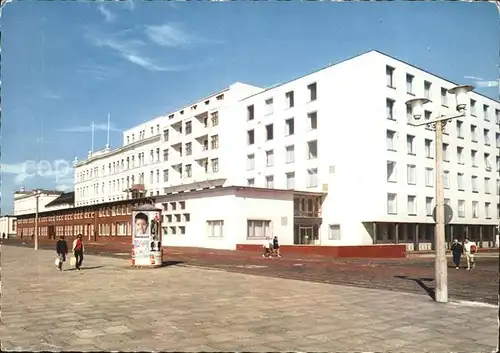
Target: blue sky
(66, 64)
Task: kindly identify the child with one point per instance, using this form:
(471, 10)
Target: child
(141, 224)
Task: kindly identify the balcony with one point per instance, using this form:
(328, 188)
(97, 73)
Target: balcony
(307, 206)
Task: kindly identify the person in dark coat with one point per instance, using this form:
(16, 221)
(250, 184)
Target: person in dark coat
(62, 251)
(457, 250)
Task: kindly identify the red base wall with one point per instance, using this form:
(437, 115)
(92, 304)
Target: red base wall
(363, 251)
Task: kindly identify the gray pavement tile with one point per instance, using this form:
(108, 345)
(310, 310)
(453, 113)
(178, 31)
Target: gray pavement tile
(210, 311)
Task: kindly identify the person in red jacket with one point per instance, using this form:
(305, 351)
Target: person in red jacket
(78, 249)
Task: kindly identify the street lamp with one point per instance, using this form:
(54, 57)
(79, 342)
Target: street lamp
(37, 197)
(438, 123)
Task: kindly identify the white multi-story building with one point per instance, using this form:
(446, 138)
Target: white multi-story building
(191, 145)
(25, 201)
(343, 131)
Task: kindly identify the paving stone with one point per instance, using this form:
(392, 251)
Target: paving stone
(201, 310)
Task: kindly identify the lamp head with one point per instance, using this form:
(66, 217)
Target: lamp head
(461, 98)
(417, 106)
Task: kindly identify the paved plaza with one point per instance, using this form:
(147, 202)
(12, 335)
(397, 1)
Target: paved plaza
(111, 306)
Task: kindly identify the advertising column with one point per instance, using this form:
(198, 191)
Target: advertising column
(146, 235)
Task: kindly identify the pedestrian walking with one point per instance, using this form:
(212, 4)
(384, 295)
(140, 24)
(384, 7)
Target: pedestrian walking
(276, 246)
(457, 250)
(62, 251)
(470, 249)
(78, 249)
(267, 247)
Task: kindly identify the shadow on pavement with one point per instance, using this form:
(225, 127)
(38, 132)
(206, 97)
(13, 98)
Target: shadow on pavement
(83, 268)
(171, 263)
(420, 282)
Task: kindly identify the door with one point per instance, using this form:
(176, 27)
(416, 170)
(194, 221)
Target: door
(305, 235)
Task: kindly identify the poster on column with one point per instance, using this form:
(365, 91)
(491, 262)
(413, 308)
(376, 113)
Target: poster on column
(146, 244)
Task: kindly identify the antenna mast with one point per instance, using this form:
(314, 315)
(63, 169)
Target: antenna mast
(92, 148)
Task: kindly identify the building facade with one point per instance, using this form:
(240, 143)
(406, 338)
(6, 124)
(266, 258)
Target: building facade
(8, 226)
(193, 144)
(343, 132)
(25, 201)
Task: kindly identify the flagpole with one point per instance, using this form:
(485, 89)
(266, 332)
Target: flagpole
(109, 119)
(92, 149)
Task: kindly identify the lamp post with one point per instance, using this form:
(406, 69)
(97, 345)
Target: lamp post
(438, 124)
(37, 197)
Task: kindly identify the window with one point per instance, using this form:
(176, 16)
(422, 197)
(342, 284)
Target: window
(461, 208)
(460, 155)
(289, 127)
(460, 181)
(487, 164)
(290, 180)
(250, 113)
(497, 139)
(392, 175)
(290, 99)
(391, 137)
(410, 144)
(215, 229)
(498, 163)
(444, 97)
(460, 132)
(312, 178)
(189, 171)
(389, 73)
(251, 162)
(151, 179)
(269, 106)
(334, 232)
(312, 119)
(215, 118)
(409, 113)
(427, 117)
(312, 149)
(473, 107)
(313, 94)
(497, 116)
(269, 132)
(498, 186)
(487, 185)
(427, 89)
(429, 206)
(475, 211)
(269, 181)
(411, 174)
(157, 176)
(487, 210)
(474, 184)
(412, 205)
(250, 137)
(220, 97)
(258, 229)
(428, 149)
(429, 177)
(486, 134)
(446, 158)
(409, 83)
(215, 165)
(250, 182)
(189, 128)
(290, 154)
(269, 158)
(486, 111)
(214, 142)
(389, 105)
(473, 158)
(392, 204)
(189, 148)
(473, 133)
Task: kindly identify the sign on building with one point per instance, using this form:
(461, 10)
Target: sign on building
(146, 237)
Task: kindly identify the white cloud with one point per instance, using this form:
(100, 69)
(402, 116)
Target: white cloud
(129, 50)
(170, 35)
(48, 94)
(88, 128)
(108, 15)
(482, 83)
